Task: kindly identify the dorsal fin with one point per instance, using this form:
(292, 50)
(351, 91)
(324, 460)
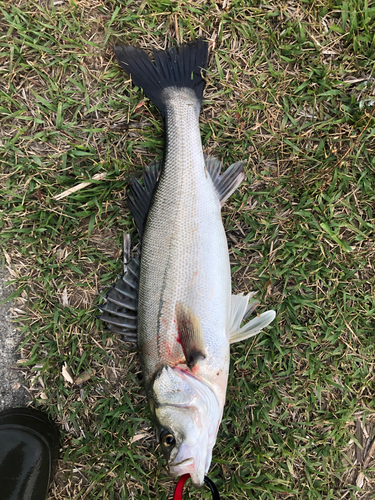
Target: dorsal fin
(190, 334)
(140, 197)
(226, 183)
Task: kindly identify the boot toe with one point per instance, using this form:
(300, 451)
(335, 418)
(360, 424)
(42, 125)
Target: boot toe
(29, 443)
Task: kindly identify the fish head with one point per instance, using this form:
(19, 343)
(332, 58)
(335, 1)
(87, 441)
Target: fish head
(188, 415)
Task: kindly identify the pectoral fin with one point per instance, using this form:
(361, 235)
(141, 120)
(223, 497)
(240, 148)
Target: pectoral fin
(241, 307)
(190, 334)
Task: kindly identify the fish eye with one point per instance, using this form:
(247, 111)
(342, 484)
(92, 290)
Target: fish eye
(167, 439)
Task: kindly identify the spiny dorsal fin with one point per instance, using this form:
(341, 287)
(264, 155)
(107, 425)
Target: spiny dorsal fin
(226, 183)
(240, 309)
(190, 334)
(140, 197)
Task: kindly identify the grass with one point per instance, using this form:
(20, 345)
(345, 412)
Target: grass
(290, 87)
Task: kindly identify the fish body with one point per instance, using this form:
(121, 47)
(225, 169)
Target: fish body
(186, 316)
(185, 261)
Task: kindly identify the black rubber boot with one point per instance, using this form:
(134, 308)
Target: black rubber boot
(29, 443)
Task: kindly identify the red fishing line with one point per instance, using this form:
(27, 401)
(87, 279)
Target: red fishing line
(180, 487)
(182, 481)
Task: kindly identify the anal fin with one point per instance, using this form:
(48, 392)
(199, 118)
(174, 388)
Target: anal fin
(120, 310)
(190, 335)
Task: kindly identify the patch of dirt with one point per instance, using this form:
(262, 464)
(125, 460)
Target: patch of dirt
(12, 392)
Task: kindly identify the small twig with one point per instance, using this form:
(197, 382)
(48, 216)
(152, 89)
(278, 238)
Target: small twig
(97, 177)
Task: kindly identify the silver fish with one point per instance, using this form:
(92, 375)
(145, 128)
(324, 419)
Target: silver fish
(176, 303)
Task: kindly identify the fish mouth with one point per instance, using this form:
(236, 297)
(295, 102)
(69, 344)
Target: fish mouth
(186, 461)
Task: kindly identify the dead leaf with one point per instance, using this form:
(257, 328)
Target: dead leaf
(369, 454)
(360, 480)
(67, 374)
(7, 258)
(84, 377)
(64, 297)
(139, 105)
(139, 436)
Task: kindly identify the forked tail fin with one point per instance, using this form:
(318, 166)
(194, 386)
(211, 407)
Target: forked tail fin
(178, 67)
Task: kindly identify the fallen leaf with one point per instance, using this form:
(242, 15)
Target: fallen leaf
(139, 436)
(369, 454)
(360, 480)
(84, 377)
(7, 258)
(39, 194)
(67, 374)
(139, 105)
(64, 297)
